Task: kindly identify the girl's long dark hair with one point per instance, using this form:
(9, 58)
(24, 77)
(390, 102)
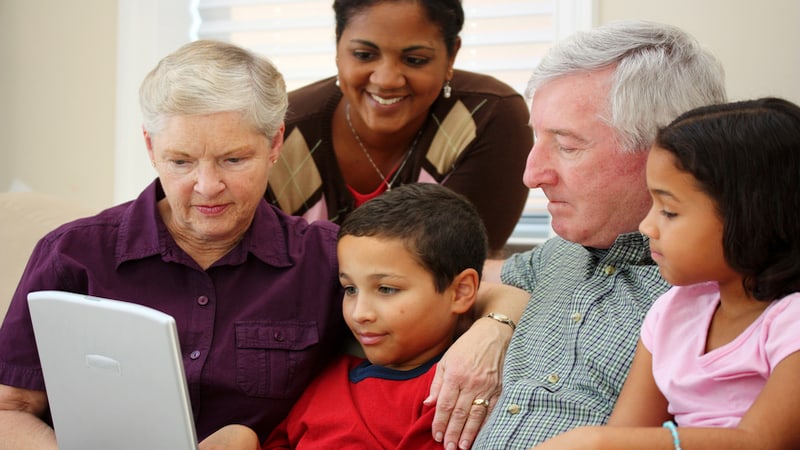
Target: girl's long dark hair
(746, 157)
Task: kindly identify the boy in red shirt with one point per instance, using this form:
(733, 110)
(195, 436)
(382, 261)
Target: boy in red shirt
(410, 263)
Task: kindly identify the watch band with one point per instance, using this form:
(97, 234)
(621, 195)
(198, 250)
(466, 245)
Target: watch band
(502, 318)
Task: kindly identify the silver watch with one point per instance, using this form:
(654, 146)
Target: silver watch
(502, 318)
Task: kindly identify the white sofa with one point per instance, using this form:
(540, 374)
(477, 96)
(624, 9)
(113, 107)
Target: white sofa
(24, 218)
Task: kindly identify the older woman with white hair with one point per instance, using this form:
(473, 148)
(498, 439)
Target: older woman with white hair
(252, 290)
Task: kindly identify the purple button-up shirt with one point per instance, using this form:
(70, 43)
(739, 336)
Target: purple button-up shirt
(254, 328)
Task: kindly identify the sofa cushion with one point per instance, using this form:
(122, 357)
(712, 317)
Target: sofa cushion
(24, 218)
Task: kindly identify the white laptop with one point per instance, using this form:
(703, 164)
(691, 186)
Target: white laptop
(113, 374)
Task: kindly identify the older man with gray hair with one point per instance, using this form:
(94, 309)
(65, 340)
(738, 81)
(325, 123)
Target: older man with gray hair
(598, 99)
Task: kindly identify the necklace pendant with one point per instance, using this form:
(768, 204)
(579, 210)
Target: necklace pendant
(410, 150)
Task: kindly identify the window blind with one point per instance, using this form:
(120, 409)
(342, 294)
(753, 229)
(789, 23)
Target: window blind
(503, 38)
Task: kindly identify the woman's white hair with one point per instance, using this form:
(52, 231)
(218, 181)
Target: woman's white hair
(661, 72)
(206, 77)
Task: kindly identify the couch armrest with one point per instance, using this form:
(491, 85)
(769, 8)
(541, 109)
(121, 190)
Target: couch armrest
(24, 218)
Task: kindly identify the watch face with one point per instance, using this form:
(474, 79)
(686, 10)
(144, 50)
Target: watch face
(502, 318)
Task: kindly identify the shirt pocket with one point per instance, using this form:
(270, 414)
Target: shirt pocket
(271, 357)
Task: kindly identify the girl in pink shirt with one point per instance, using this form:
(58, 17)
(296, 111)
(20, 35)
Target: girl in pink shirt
(718, 353)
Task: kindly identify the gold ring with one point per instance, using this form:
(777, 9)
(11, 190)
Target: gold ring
(481, 402)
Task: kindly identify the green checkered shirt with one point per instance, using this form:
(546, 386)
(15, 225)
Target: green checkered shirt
(572, 350)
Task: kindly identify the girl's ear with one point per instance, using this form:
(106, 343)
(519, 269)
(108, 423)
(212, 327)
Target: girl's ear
(465, 290)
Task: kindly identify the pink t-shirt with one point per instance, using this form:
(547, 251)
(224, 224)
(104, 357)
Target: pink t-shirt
(714, 389)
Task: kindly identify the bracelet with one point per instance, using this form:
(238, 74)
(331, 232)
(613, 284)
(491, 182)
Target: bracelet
(670, 425)
(502, 318)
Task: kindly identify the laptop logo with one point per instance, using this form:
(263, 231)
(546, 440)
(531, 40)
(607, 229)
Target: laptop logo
(104, 363)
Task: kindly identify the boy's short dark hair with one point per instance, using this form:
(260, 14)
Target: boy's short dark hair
(440, 227)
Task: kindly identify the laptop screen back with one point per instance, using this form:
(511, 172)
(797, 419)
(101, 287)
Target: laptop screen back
(113, 373)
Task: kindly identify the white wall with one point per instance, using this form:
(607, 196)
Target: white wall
(757, 41)
(69, 124)
(57, 105)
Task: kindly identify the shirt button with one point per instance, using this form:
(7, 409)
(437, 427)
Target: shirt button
(576, 317)
(513, 409)
(610, 270)
(278, 336)
(202, 300)
(553, 378)
(195, 354)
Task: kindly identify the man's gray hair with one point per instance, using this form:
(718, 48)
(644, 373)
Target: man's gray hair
(661, 72)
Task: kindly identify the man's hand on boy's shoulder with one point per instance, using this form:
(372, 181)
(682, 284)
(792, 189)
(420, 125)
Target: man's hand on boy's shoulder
(468, 377)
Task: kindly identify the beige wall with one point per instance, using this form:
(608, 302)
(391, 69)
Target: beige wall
(758, 41)
(58, 80)
(57, 97)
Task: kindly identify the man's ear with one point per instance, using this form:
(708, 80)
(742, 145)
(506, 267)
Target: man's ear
(465, 290)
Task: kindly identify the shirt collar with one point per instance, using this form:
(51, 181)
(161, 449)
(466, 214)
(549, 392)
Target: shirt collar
(143, 233)
(629, 249)
(632, 249)
(368, 370)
